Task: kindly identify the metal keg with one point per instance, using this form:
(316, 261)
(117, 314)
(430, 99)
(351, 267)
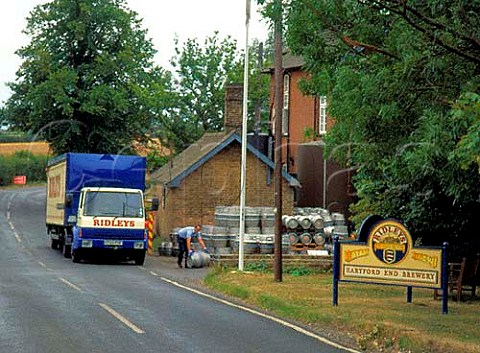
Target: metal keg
(328, 225)
(340, 231)
(306, 238)
(198, 259)
(304, 221)
(338, 219)
(268, 230)
(317, 221)
(290, 222)
(268, 218)
(292, 238)
(319, 238)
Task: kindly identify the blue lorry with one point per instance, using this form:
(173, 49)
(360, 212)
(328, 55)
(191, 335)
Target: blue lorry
(95, 203)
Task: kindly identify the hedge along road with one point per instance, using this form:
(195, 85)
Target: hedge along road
(49, 304)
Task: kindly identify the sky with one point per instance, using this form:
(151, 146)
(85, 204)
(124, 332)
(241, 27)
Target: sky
(164, 19)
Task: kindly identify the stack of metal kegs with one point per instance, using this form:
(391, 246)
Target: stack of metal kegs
(169, 247)
(313, 229)
(258, 233)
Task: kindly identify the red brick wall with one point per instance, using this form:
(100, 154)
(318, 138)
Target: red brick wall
(302, 114)
(217, 183)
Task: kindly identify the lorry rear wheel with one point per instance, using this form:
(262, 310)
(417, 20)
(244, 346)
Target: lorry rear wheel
(54, 244)
(140, 259)
(66, 250)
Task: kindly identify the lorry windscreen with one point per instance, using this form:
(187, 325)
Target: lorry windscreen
(113, 204)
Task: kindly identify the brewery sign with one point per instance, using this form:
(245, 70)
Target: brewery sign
(387, 256)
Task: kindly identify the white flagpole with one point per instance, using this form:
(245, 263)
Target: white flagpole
(243, 173)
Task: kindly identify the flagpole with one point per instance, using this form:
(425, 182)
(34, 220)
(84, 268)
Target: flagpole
(243, 173)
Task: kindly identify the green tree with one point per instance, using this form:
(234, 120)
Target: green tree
(3, 116)
(201, 72)
(197, 98)
(403, 85)
(86, 76)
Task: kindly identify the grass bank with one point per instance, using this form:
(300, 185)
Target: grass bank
(376, 318)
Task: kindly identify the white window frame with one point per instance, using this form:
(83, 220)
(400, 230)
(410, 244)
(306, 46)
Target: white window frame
(322, 115)
(286, 104)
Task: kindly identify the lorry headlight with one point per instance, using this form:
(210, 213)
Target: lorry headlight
(86, 244)
(138, 245)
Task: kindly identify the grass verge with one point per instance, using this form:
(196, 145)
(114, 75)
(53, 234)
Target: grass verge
(377, 317)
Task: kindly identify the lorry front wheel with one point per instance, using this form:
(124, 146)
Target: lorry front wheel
(66, 250)
(76, 256)
(140, 259)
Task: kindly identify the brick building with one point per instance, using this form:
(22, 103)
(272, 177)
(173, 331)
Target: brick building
(207, 174)
(304, 124)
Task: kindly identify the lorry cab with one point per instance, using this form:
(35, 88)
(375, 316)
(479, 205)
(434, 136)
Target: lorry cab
(110, 219)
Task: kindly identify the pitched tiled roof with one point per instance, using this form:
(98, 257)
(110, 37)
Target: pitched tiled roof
(292, 62)
(171, 174)
(289, 62)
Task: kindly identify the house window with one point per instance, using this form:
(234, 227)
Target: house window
(286, 103)
(322, 116)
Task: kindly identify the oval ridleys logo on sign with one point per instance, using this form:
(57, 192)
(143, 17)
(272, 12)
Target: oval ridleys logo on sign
(390, 241)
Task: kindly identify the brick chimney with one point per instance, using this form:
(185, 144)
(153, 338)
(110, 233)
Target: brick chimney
(233, 107)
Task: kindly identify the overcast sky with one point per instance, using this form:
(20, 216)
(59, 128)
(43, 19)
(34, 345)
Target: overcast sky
(162, 18)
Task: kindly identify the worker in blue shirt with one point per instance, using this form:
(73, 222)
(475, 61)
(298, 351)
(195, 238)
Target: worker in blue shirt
(184, 238)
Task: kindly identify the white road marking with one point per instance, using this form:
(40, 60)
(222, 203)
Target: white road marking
(12, 227)
(71, 285)
(121, 318)
(15, 233)
(41, 264)
(269, 317)
(153, 273)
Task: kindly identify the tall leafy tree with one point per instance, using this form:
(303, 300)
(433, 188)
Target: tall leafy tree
(86, 76)
(403, 83)
(201, 71)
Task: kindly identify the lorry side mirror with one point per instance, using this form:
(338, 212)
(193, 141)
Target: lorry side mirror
(68, 200)
(155, 203)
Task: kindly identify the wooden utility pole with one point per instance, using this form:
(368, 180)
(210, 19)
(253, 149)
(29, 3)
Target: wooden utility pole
(278, 140)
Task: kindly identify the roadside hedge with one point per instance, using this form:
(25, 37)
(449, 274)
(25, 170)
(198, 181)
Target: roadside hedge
(9, 137)
(22, 163)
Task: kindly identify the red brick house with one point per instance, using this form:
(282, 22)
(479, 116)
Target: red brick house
(304, 123)
(207, 174)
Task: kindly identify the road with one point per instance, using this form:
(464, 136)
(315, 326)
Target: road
(49, 304)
